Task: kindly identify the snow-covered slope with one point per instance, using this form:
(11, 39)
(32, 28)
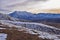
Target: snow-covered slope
(42, 30)
(7, 17)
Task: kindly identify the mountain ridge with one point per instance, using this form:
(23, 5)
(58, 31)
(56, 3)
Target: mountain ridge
(36, 17)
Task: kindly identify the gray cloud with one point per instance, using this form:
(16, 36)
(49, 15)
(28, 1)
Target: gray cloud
(26, 3)
(8, 5)
(4, 10)
(14, 3)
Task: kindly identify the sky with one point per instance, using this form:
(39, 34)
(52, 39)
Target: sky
(34, 6)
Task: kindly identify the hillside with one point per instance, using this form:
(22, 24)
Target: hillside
(52, 24)
(40, 30)
(14, 34)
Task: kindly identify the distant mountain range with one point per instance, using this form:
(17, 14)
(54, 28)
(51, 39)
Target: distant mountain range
(36, 17)
(27, 16)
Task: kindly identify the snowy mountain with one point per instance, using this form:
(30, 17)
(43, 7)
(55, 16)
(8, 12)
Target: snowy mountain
(22, 15)
(36, 17)
(7, 17)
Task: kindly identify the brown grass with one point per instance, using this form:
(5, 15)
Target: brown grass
(19, 35)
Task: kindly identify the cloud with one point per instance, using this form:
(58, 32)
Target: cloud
(17, 4)
(4, 11)
(28, 5)
(25, 3)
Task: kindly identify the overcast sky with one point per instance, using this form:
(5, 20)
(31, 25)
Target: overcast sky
(7, 6)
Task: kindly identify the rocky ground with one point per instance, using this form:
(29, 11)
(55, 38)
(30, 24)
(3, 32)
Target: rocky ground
(28, 31)
(14, 34)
